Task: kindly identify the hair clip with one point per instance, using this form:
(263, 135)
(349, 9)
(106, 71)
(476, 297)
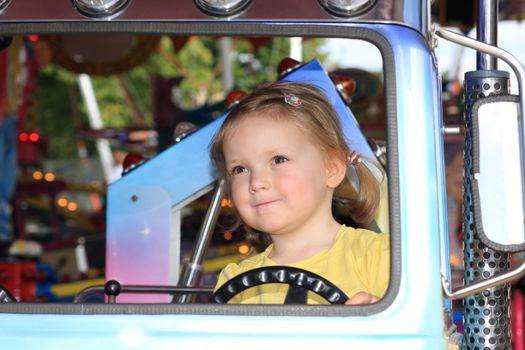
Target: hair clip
(292, 100)
(354, 158)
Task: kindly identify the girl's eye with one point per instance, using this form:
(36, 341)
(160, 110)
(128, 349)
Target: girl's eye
(238, 170)
(279, 159)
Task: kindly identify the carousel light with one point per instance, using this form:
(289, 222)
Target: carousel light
(72, 206)
(345, 85)
(23, 137)
(222, 8)
(286, 65)
(131, 161)
(100, 8)
(347, 8)
(243, 249)
(34, 137)
(233, 98)
(49, 177)
(226, 203)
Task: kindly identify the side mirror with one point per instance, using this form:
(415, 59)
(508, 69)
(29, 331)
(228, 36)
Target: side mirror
(497, 188)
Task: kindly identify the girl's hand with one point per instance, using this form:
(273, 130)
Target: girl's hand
(362, 298)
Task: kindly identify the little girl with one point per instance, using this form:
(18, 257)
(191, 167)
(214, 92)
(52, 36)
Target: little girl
(284, 156)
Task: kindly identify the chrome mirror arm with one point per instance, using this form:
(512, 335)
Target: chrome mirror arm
(479, 286)
(512, 61)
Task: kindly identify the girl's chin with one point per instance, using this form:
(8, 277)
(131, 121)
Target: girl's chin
(272, 229)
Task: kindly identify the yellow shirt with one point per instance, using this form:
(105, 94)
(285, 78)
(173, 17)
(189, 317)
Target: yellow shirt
(359, 261)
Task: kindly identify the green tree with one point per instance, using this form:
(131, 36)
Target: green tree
(198, 61)
(54, 111)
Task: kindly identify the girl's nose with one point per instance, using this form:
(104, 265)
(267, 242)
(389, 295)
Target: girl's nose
(259, 181)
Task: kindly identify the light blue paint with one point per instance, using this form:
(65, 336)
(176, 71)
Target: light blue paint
(412, 321)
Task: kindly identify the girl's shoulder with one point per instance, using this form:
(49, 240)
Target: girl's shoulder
(363, 237)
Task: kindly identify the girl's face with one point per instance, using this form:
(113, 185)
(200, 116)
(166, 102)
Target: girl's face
(280, 180)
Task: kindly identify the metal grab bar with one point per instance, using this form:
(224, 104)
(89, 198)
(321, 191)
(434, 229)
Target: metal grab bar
(192, 270)
(100, 289)
(516, 66)
(479, 286)
(512, 61)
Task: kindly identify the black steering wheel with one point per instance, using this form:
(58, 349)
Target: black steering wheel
(300, 281)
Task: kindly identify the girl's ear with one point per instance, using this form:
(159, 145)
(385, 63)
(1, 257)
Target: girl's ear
(335, 168)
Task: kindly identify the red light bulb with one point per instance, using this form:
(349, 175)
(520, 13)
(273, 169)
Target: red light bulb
(233, 98)
(345, 85)
(34, 137)
(23, 137)
(286, 65)
(131, 161)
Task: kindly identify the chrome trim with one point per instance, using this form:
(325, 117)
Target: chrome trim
(4, 4)
(98, 290)
(345, 11)
(106, 12)
(225, 11)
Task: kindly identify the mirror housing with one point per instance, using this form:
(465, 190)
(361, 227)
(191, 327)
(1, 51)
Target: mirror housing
(497, 188)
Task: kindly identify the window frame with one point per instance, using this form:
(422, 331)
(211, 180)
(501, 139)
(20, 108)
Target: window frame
(356, 31)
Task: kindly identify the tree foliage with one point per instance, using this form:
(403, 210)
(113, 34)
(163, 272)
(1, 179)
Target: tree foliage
(62, 111)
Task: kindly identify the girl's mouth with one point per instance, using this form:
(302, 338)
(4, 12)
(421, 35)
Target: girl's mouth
(263, 204)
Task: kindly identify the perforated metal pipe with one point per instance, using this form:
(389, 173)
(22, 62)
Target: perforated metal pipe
(486, 314)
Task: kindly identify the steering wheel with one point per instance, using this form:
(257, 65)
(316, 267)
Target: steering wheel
(300, 282)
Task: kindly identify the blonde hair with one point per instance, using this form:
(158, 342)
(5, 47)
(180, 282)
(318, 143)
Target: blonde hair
(317, 117)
